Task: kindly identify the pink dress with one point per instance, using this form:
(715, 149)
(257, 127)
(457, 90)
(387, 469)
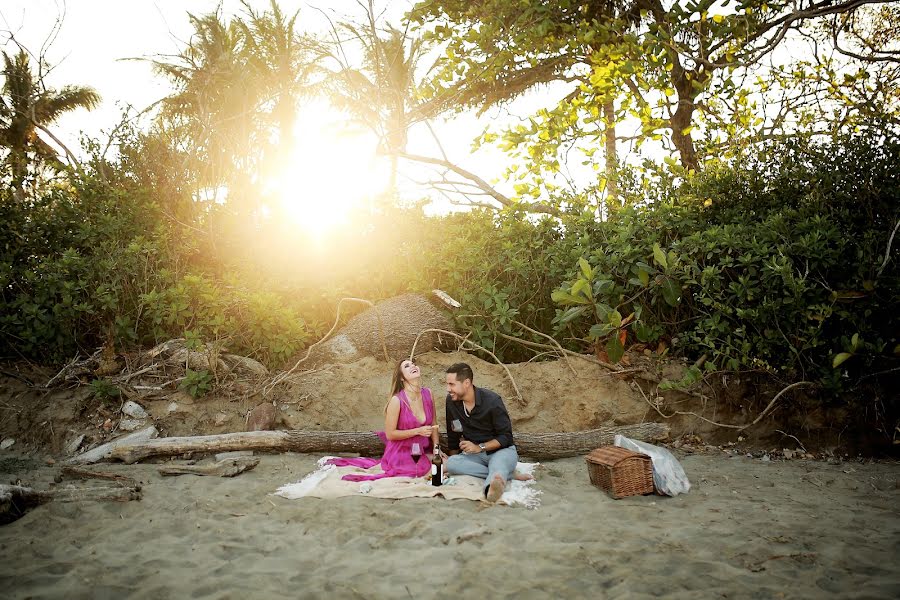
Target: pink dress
(397, 460)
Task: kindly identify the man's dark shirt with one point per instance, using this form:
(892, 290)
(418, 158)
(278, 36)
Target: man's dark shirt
(487, 421)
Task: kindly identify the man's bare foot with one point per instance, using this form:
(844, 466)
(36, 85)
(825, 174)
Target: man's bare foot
(522, 476)
(495, 489)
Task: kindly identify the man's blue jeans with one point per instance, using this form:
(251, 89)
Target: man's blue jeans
(484, 465)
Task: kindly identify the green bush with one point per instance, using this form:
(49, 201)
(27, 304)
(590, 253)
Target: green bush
(775, 266)
(196, 383)
(81, 267)
(105, 390)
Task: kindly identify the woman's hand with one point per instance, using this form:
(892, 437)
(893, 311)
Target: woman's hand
(425, 430)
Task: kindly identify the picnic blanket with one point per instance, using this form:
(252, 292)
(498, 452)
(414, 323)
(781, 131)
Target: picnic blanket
(325, 482)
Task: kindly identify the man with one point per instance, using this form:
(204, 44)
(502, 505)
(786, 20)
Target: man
(482, 444)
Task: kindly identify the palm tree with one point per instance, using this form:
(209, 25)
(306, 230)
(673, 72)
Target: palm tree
(282, 61)
(237, 83)
(382, 94)
(26, 106)
(212, 106)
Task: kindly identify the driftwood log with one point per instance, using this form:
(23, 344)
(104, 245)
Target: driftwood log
(541, 446)
(16, 500)
(69, 471)
(102, 452)
(228, 467)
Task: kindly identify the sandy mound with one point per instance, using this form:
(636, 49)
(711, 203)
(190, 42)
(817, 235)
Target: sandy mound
(352, 396)
(556, 396)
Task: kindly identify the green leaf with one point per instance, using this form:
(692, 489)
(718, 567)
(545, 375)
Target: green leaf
(644, 277)
(584, 287)
(839, 359)
(563, 297)
(586, 269)
(671, 290)
(600, 330)
(659, 256)
(571, 314)
(615, 319)
(854, 342)
(642, 332)
(614, 349)
(602, 311)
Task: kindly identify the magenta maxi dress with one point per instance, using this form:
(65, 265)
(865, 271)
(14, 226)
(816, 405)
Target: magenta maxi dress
(397, 460)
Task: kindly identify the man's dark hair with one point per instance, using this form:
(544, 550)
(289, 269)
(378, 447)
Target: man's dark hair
(462, 371)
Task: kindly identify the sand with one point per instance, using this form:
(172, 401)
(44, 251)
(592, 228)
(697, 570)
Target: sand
(748, 529)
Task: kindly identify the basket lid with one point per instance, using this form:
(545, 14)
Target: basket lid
(612, 455)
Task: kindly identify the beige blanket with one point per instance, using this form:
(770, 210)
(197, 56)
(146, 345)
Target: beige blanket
(326, 482)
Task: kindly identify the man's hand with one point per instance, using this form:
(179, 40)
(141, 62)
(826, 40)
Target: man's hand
(469, 447)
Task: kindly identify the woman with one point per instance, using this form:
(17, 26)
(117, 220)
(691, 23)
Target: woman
(408, 418)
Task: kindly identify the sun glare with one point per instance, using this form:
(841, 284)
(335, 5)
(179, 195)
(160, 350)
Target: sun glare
(333, 173)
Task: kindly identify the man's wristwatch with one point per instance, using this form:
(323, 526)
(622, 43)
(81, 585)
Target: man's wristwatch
(481, 445)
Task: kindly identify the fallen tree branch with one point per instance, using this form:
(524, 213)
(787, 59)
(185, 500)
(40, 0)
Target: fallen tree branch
(774, 400)
(556, 344)
(78, 473)
(802, 447)
(641, 373)
(101, 452)
(544, 446)
(614, 368)
(228, 467)
(466, 340)
(16, 500)
(726, 425)
(129, 376)
(337, 320)
(63, 371)
(682, 412)
(887, 253)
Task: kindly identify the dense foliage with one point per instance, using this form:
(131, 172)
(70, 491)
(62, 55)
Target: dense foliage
(768, 247)
(776, 265)
(773, 265)
(91, 265)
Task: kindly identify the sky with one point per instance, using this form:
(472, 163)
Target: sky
(98, 37)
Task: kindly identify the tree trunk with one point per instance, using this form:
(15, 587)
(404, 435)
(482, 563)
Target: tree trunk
(612, 160)
(16, 500)
(543, 446)
(684, 143)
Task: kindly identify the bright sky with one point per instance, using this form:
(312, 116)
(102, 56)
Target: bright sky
(96, 35)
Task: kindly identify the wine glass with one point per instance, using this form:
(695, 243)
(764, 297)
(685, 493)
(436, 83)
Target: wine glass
(416, 452)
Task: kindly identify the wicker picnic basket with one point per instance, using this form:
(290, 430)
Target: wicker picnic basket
(620, 472)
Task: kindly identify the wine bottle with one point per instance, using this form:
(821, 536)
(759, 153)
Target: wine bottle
(437, 467)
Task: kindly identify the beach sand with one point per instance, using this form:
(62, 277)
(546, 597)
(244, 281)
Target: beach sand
(748, 529)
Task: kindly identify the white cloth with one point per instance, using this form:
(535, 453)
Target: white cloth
(326, 482)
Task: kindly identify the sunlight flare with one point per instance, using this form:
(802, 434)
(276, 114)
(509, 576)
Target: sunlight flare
(333, 173)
